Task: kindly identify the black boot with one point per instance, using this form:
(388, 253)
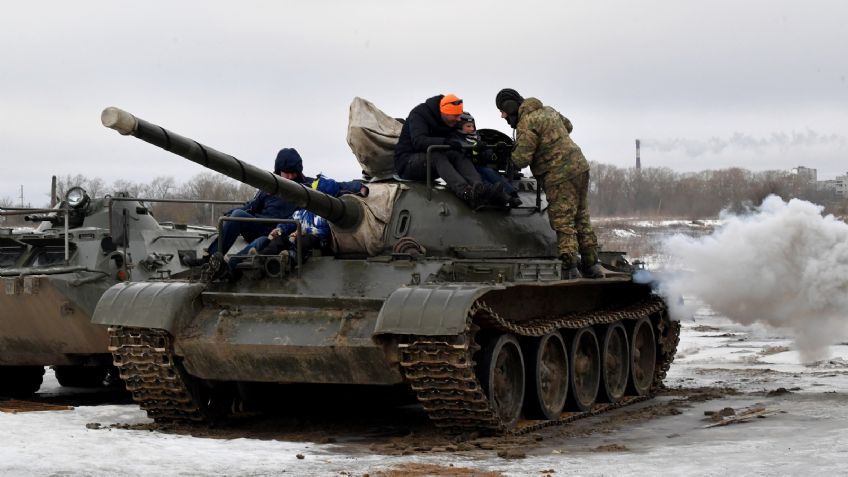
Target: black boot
(497, 195)
(514, 201)
(218, 268)
(569, 268)
(470, 195)
(596, 270)
(590, 264)
(572, 273)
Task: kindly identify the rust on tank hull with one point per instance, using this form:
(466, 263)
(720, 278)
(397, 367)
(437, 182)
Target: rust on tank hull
(39, 323)
(285, 344)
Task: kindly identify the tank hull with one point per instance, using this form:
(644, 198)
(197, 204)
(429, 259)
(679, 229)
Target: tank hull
(53, 280)
(43, 324)
(339, 330)
(234, 339)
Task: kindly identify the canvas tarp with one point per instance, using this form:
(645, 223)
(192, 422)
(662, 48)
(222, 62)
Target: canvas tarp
(372, 136)
(368, 237)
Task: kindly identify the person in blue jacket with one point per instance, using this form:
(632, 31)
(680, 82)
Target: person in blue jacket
(288, 165)
(314, 230)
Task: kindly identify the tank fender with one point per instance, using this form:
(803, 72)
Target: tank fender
(429, 309)
(148, 304)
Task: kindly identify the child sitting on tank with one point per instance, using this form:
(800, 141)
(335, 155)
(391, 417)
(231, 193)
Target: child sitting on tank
(314, 230)
(481, 156)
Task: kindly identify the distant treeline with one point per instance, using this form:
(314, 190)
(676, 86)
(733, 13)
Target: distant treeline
(204, 186)
(661, 192)
(613, 192)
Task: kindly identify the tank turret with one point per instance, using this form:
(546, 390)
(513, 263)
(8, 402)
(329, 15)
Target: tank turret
(467, 308)
(408, 215)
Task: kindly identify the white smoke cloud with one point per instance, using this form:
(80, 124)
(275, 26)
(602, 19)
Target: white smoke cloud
(784, 265)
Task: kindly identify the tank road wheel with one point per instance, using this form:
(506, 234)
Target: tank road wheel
(502, 377)
(615, 363)
(547, 377)
(584, 374)
(20, 381)
(81, 376)
(643, 357)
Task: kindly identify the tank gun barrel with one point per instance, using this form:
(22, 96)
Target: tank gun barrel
(343, 213)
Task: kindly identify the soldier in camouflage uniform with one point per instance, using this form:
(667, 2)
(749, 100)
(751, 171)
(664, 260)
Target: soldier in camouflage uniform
(543, 142)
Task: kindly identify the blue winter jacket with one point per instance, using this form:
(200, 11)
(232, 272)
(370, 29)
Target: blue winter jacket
(310, 224)
(266, 205)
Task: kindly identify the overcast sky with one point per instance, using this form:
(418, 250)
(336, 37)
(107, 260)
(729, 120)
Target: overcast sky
(705, 85)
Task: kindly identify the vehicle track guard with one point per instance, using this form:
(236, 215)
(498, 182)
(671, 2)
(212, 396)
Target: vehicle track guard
(429, 309)
(148, 304)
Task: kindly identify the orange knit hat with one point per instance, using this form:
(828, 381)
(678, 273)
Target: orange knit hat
(450, 104)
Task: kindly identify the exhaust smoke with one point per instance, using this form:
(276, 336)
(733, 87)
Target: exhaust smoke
(784, 265)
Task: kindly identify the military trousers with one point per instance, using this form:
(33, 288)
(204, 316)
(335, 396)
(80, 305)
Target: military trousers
(568, 212)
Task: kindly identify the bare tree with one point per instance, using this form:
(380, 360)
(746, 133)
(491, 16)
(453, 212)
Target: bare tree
(661, 192)
(133, 189)
(94, 186)
(162, 187)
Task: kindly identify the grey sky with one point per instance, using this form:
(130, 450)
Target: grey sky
(756, 84)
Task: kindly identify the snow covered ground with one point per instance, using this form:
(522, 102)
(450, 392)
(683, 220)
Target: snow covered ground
(720, 364)
(807, 430)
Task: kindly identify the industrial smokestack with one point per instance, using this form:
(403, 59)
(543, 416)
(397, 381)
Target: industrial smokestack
(638, 159)
(53, 192)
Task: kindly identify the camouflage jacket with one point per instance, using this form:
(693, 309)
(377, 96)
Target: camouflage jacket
(543, 143)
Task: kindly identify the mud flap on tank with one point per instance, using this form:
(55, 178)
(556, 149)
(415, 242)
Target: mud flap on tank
(148, 304)
(429, 309)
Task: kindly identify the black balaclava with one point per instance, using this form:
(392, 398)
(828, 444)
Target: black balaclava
(508, 100)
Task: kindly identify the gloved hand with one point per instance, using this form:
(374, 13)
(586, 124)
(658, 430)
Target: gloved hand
(454, 144)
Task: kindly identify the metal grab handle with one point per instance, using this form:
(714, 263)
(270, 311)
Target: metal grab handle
(539, 196)
(160, 237)
(296, 223)
(434, 147)
(176, 201)
(66, 210)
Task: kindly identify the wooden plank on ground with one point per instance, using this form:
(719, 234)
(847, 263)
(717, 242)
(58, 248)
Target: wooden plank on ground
(14, 406)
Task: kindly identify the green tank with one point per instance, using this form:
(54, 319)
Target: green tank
(51, 278)
(467, 308)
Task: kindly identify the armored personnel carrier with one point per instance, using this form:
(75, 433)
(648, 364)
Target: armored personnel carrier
(51, 278)
(466, 307)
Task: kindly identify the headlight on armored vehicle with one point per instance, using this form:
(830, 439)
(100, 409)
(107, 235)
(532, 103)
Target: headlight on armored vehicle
(76, 197)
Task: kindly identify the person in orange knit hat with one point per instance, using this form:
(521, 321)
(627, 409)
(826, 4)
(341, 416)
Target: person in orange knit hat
(432, 123)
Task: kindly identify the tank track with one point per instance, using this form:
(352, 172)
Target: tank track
(145, 362)
(441, 369)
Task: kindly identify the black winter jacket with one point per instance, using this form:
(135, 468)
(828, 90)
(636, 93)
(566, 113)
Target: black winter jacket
(423, 128)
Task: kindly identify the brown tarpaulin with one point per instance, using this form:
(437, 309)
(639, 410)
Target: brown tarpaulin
(372, 136)
(376, 212)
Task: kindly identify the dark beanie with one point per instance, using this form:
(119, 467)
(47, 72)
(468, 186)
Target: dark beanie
(288, 160)
(508, 100)
(465, 117)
